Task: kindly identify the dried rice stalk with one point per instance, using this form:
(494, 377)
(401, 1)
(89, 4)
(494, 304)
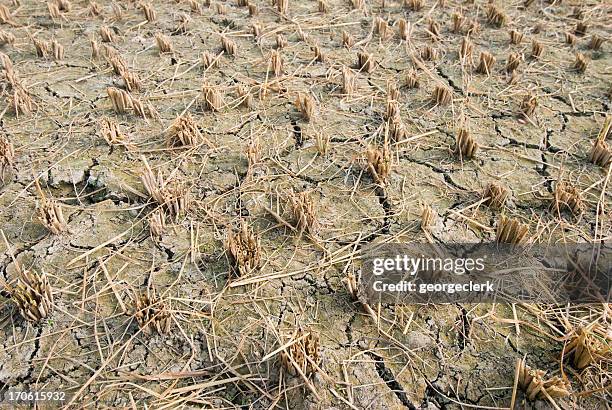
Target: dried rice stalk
(50, 213)
(121, 100)
(442, 95)
(253, 10)
(428, 53)
(322, 6)
(414, 5)
(584, 348)
(433, 30)
(243, 250)
(465, 50)
(358, 4)
(94, 9)
(306, 106)
(570, 39)
(163, 43)
(212, 98)
(111, 133)
(304, 212)
(536, 49)
(322, 143)
(54, 10)
(458, 21)
(281, 41)
(58, 50)
(581, 28)
(510, 230)
(184, 132)
(209, 60)
(20, 101)
(64, 5)
(596, 42)
(107, 34)
(428, 218)
(485, 63)
(567, 197)
(532, 382)
(7, 157)
(496, 195)
(397, 131)
(515, 37)
(6, 38)
(600, 154)
(529, 105)
(42, 47)
(379, 164)
(157, 223)
(606, 129)
(276, 63)
(581, 63)
(229, 46)
(404, 28)
(303, 353)
(95, 49)
(466, 146)
(318, 54)
(5, 15)
(282, 6)
(149, 12)
(246, 98)
(152, 313)
(365, 62)
(347, 39)
(412, 79)
(348, 80)
(32, 295)
(174, 197)
(514, 60)
(496, 17)
(131, 81)
(381, 27)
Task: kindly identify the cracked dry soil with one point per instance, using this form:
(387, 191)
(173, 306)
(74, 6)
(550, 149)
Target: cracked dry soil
(439, 356)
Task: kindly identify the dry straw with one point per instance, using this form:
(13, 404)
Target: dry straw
(7, 157)
(511, 231)
(433, 30)
(378, 161)
(41, 46)
(457, 19)
(50, 213)
(581, 28)
(570, 39)
(111, 132)
(404, 28)
(397, 130)
(323, 6)
(485, 63)
(600, 154)
(157, 223)
(302, 356)
(442, 95)
(94, 9)
(466, 146)
(282, 6)
(381, 27)
(253, 10)
(495, 195)
(152, 313)
(32, 295)
(318, 54)
(243, 250)
(5, 15)
(306, 106)
(54, 10)
(245, 97)
(414, 5)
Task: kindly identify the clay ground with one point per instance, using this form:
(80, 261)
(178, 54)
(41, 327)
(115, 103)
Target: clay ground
(223, 347)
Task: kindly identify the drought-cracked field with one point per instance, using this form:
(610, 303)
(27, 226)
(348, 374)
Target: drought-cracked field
(186, 189)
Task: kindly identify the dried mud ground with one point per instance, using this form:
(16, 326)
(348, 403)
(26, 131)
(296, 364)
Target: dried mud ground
(223, 347)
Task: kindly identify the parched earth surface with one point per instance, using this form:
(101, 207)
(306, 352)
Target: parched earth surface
(226, 334)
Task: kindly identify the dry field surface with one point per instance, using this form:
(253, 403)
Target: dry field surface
(186, 189)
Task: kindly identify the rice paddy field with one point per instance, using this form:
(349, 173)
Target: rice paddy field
(186, 188)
